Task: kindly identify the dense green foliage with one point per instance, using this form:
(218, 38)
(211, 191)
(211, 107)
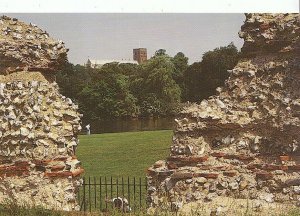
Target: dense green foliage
(108, 94)
(154, 88)
(202, 78)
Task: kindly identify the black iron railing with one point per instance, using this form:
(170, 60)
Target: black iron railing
(110, 194)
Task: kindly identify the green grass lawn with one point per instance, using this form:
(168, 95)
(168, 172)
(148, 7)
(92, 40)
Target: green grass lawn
(122, 154)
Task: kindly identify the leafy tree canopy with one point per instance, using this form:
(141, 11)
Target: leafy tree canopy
(160, 52)
(154, 88)
(201, 79)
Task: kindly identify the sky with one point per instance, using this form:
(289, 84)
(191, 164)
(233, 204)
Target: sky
(115, 35)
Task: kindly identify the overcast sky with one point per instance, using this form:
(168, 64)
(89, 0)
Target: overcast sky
(113, 36)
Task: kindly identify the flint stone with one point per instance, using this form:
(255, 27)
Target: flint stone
(24, 132)
(233, 185)
(296, 189)
(268, 197)
(201, 180)
(293, 182)
(209, 197)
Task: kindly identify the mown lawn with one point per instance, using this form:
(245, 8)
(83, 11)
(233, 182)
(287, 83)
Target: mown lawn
(122, 154)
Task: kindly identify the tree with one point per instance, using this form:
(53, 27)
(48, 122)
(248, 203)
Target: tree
(202, 78)
(157, 92)
(180, 62)
(72, 79)
(218, 61)
(160, 52)
(192, 83)
(108, 95)
(154, 88)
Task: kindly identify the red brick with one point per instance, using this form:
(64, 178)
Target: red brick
(21, 163)
(192, 159)
(9, 171)
(230, 173)
(244, 157)
(284, 168)
(179, 175)
(6, 161)
(41, 162)
(222, 168)
(216, 168)
(271, 167)
(207, 175)
(294, 167)
(274, 167)
(3, 168)
(58, 174)
(239, 157)
(284, 158)
(61, 158)
(151, 172)
(77, 172)
(218, 154)
(198, 159)
(171, 165)
(204, 167)
(14, 173)
(164, 173)
(252, 166)
(14, 168)
(264, 175)
(57, 168)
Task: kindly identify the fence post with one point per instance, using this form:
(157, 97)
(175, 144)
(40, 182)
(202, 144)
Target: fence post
(100, 192)
(134, 193)
(84, 201)
(105, 193)
(117, 187)
(111, 191)
(90, 204)
(95, 189)
(128, 190)
(146, 193)
(123, 192)
(140, 193)
(135, 203)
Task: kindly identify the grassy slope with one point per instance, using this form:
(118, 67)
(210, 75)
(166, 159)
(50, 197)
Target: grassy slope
(122, 154)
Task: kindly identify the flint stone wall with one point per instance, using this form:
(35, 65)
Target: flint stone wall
(38, 125)
(244, 142)
(26, 47)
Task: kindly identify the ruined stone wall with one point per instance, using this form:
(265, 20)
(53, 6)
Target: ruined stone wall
(29, 48)
(242, 144)
(38, 125)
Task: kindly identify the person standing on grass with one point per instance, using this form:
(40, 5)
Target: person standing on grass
(88, 129)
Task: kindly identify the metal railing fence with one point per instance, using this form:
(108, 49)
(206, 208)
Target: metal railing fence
(107, 194)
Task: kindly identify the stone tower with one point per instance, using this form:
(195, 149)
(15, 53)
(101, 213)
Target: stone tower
(140, 55)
